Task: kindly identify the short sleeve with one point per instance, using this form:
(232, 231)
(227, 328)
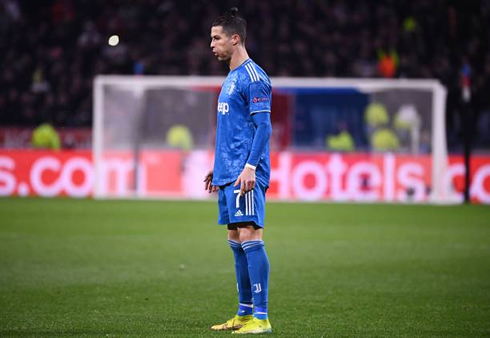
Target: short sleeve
(259, 97)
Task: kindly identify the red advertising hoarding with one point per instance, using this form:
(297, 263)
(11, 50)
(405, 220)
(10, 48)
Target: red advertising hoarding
(295, 176)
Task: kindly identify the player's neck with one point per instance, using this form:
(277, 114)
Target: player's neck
(238, 57)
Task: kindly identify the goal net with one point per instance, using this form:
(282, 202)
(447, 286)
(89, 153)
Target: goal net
(333, 139)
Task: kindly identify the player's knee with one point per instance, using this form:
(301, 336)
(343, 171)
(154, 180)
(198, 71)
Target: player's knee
(233, 233)
(249, 233)
(245, 235)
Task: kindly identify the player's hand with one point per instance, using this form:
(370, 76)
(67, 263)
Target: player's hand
(246, 180)
(208, 183)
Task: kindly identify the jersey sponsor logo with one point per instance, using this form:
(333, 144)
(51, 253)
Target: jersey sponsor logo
(260, 99)
(223, 108)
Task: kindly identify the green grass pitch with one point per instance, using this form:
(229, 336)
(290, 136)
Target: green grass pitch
(84, 268)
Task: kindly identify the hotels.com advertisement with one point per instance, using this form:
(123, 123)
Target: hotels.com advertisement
(295, 176)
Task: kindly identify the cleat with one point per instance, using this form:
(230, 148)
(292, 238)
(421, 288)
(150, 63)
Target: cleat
(233, 324)
(255, 326)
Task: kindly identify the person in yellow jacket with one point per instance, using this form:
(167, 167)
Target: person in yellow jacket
(45, 137)
(341, 142)
(384, 139)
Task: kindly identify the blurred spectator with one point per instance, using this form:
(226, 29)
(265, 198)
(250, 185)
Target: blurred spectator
(45, 137)
(180, 137)
(384, 139)
(51, 50)
(387, 63)
(343, 141)
(376, 115)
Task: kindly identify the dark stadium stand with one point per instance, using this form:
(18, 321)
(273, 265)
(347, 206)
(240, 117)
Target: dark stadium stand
(50, 51)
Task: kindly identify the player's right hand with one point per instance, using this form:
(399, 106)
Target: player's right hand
(208, 183)
(246, 180)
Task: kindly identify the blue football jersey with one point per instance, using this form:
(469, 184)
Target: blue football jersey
(246, 91)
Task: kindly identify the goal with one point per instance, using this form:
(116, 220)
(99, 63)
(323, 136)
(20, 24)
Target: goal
(334, 139)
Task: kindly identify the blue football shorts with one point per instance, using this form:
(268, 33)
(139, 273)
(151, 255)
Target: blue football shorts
(234, 208)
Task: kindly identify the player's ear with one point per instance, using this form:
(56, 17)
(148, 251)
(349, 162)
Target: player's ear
(235, 39)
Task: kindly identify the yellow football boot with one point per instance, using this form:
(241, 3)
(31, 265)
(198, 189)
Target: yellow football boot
(255, 326)
(233, 324)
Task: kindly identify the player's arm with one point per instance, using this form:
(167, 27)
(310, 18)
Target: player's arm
(208, 183)
(260, 110)
(263, 133)
(262, 122)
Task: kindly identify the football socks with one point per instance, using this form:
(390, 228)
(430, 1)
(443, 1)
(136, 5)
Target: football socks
(243, 279)
(258, 269)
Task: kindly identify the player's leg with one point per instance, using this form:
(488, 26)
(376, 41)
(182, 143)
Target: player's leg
(258, 267)
(250, 235)
(245, 307)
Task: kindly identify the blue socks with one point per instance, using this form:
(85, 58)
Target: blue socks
(260, 313)
(252, 275)
(243, 280)
(258, 269)
(245, 309)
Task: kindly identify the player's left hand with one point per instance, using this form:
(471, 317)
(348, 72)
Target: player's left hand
(246, 180)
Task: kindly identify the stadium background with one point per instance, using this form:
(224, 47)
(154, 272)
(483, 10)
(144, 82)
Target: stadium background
(52, 50)
(90, 268)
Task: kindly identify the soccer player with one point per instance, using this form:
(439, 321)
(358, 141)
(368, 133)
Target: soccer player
(242, 170)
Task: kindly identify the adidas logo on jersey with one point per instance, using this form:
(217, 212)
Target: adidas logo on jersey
(238, 213)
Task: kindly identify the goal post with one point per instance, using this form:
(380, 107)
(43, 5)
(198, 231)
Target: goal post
(153, 134)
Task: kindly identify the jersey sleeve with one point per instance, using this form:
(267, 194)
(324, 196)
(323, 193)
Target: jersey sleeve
(259, 96)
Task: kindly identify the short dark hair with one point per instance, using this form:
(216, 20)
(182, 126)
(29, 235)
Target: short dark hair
(232, 23)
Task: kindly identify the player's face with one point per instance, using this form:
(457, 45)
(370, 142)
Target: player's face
(221, 43)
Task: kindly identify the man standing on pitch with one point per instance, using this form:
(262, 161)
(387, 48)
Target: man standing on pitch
(242, 170)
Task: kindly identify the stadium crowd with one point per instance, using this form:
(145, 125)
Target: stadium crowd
(51, 50)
